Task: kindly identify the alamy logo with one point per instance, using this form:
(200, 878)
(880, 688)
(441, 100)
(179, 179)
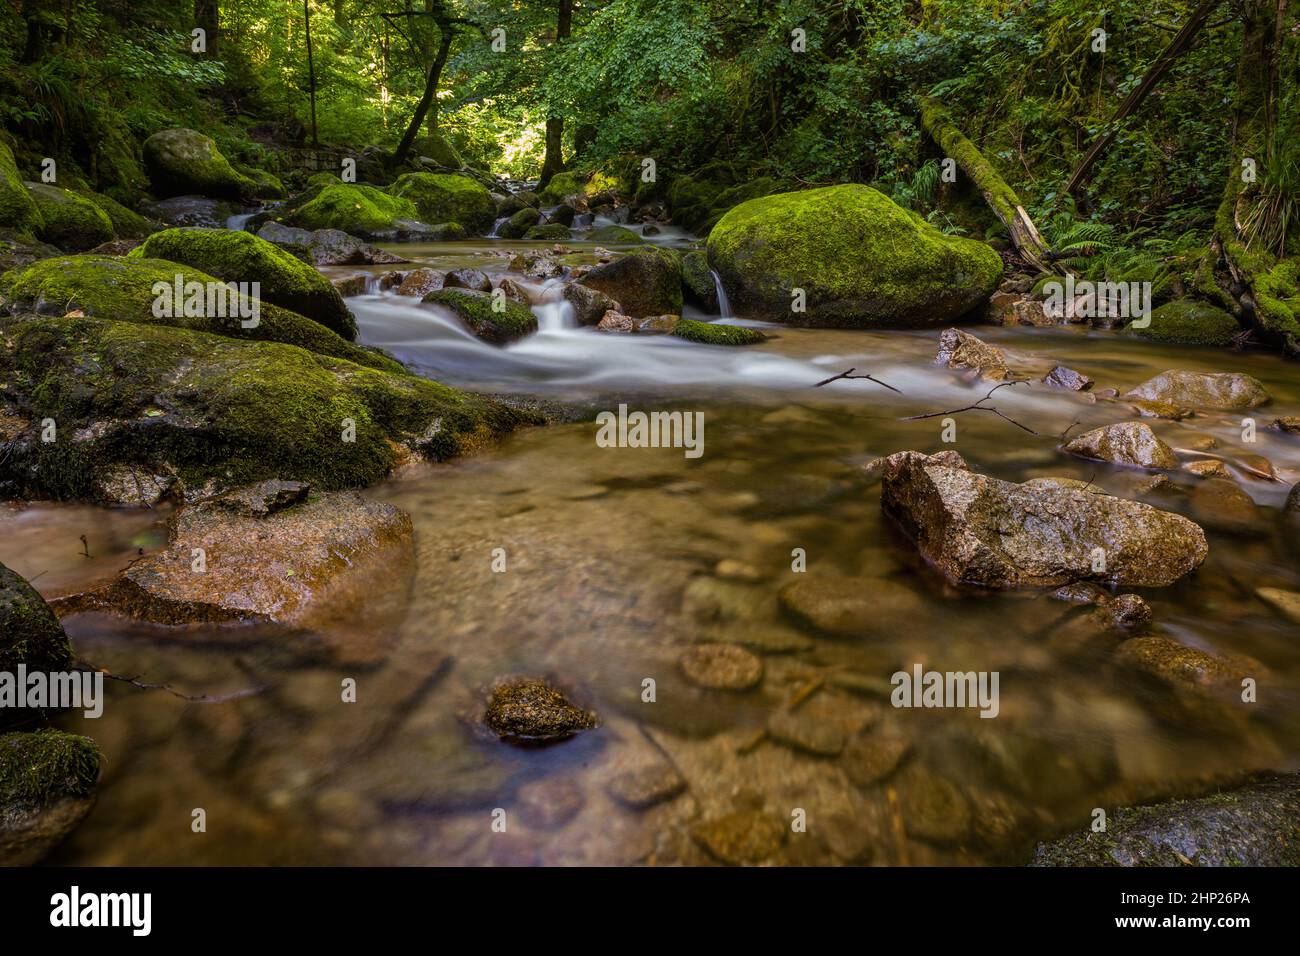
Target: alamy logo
(58, 690)
(1088, 300)
(652, 430)
(923, 688)
(74, 908)
(211, 300)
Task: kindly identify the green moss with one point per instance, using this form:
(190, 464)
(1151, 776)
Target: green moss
(242, 257)
(519, 223)
(716, 333)
(562, 186)
(70, 221)
(860, 260)
(548, 232)
(697, 280)
(438, 149)
(614, 234)
(123, 289)
(38, 768)
(212, 409)
(126, 223)
(1189, 322)
(30, 634)
(182, 161)
(447, 197)
(265, 185)
(501, 320)
(17, 208)
(361, 210)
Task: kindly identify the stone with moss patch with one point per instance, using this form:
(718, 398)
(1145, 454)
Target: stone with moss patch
(242, 257)
(519, 223)
(214, 411)
(549, 232)
(447, 197)
(479, 312)
(716, 333)
(182, 161)
(18, 209)
(127, 224)
(30, 634)
(646, 281)
(861, 260)
(69, 221)
(354, 208)
(697, 280)
(124, 289)
(1189, 322)
(47, 786)
(437, 148)
(614, 234)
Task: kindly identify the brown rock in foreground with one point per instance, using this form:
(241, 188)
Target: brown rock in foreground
(981, 531)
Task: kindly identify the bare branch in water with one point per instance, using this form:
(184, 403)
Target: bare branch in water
(193, 698)
(849, 374)
(977, 407)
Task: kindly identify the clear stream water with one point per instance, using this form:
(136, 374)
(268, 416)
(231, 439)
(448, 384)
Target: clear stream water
(617, 561)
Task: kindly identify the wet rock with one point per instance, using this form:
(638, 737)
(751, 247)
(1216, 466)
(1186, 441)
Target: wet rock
(1153, 409)
(1254, 825)
(1185, 668)
(264, 558)
(1286, 603)
(721, 667)
(326, 247)
(658, 325)
(513, 291)
(1043, 533)
(550, 804)
(535, 265)
(1127, 612)
(644, 787)
(183, 161)
(352, 285)
(1222, 505)
(191, 211)
(960, 349)
(1081, 592)
(616, 322)
(934, 809)
(645, 281)
(1067, 379)
(805, 733)
(1229, 391)
(589, 305)
(741, 837)
(420, 282)
(471, 279)
(47, 786)
(519, 223)
(495, 321)
(530, 709)
(1013, 308)
(848, 607)
(1292, 505)
(1124, 443)
(30, 634)
(869, 759)
(1209, 468)
(1287, 423)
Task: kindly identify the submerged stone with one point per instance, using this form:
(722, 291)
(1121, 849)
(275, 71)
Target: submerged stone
(530, 709)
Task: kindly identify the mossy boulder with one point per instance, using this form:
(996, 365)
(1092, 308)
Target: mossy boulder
(217, 413)
(447, 197)
(549, 232)
(645, 281)
(69, 221)
(612, 234)
(123, 289)
(30, 634)
(127, 224)
(697, 281)
(436, 147)
(562, 186)
(1189, 322)
(47, 785)
(265, 185)
(861, 260)
(182, 161)
(499, 321)
(519, 223)
(242, 257)
(18, 209)
(716, 333)
(357, 209)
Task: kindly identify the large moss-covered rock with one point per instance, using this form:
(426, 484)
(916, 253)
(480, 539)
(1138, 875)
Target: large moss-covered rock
(181, 161)
(519, 223)
(447, 197)
(47, 785)
(716, 333)
(124, 289)
(242, 257)
(354, 208)
(29, 632)
(1254, 825)
(215, 411)
(17, 207)
(499, 321)
(127, 224)
(436, 147)
(69, 221)
(861, 260)
(1189, 322)
(646, 281)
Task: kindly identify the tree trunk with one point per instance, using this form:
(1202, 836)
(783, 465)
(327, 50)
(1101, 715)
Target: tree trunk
(1001, 198)
(1177, 47)
(311, 72)
(207, 15)
(1231, 268)
(553, 161)
(429, 99)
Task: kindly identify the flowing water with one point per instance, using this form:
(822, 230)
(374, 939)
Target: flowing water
(617, 560)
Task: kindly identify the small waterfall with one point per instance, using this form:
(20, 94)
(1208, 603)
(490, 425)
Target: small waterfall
(237, 223)
(724, 307)
(374, 285)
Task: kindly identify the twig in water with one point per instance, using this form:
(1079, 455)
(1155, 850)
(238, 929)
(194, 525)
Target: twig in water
(85, 547)
(977, 407)
(1067, 429)
(849, 374)
(193, 698)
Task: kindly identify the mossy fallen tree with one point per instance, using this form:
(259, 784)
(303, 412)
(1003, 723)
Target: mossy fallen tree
(1001, 198)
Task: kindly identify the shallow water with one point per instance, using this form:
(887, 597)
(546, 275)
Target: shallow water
(619, 559)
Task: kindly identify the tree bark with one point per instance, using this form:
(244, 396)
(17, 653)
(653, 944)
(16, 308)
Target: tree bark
(429, 99)
(311, 72)
(1001, 198)
(553, 161)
